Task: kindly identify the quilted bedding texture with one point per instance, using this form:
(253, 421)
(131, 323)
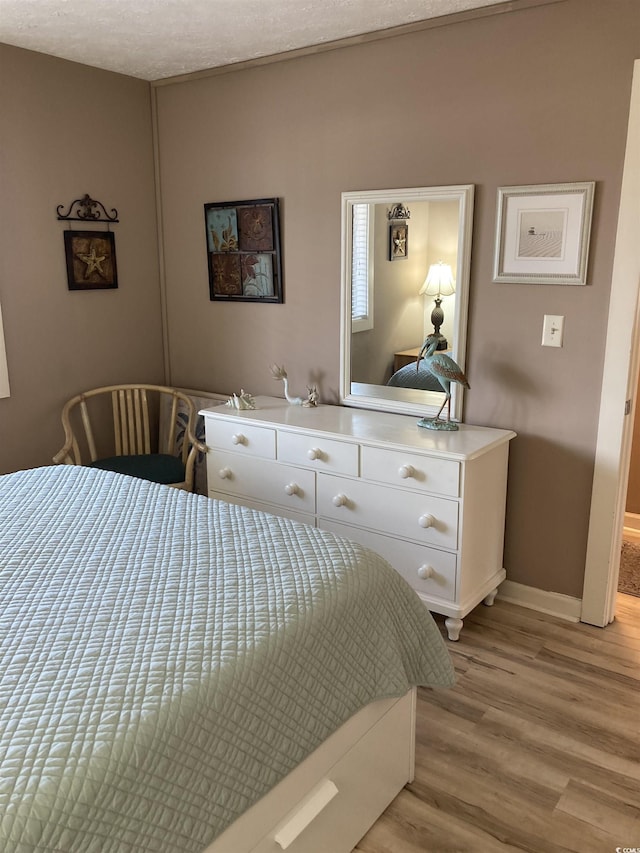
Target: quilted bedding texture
(166, 659)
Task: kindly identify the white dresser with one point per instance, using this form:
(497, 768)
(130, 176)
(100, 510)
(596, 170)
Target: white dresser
(432, 503)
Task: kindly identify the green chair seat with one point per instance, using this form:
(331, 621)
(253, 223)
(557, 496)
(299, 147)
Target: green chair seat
(156, 467)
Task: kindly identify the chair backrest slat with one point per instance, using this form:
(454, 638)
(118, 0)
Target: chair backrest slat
(135, 421)
(116, 405)
(171, 437)
(145, 433)
(86, 422)
(130, 426)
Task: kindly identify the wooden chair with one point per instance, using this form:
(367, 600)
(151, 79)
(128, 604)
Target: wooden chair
(113, 428)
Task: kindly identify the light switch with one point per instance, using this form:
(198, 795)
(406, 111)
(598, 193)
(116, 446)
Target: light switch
(552, 330)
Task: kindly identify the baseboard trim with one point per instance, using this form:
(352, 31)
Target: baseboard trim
(552, 603)
(632, 521)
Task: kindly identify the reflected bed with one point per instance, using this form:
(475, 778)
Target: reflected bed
(409, 377)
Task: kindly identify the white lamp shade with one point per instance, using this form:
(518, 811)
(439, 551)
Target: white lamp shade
(439, 281)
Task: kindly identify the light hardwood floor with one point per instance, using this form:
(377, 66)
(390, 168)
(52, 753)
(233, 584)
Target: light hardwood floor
(536, 748)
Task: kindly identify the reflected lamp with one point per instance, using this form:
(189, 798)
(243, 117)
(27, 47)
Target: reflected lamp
(438, 283)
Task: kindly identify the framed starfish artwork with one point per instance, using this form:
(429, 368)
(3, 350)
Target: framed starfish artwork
(243, 249)
(91, 260)
(398, 241)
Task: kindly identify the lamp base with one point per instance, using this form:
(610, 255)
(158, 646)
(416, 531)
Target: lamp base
(437, 318)
(442, 342)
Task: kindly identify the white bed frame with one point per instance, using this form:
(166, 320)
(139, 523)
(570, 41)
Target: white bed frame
(330, 800)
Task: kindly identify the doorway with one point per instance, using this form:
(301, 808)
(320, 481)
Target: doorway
(618, 396)
(629, 576)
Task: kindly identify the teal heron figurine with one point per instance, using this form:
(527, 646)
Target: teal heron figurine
(445, 371)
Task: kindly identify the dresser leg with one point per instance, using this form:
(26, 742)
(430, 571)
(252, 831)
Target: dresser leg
(491, 597)
(453, 626)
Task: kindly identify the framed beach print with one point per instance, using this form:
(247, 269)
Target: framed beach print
(243, 250)
(542, 233)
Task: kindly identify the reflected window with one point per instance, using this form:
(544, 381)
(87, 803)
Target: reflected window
(361, 270)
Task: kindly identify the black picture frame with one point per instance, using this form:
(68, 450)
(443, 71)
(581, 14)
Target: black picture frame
(91, 260)
(243, 250)
(398, 241)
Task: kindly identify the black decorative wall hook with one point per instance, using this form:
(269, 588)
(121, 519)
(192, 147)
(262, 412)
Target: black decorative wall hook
(87, 209)
(399, 211)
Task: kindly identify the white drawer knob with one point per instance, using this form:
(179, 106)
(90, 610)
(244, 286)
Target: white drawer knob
(225, 473)
(425, 572)
(292, 489)
(314, 453)
(426, 520)
(340, 500)
(406, 471)
(239, 438)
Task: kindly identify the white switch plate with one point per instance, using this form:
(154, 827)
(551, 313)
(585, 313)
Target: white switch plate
(552, 330)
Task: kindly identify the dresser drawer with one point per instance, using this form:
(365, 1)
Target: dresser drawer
(261, 480)
(428, 571)
(414, 515)
(242, 438)
(397, 468)
(324, 454)
(271, 509)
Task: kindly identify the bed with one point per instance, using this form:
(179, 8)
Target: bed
(169, 663)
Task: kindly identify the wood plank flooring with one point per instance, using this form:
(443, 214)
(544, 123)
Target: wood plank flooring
(536, 748)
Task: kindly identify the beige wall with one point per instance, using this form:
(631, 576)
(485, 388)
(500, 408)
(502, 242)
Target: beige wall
(66, 130)
(538, 96)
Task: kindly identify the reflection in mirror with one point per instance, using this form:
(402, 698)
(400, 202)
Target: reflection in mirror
(405, 270)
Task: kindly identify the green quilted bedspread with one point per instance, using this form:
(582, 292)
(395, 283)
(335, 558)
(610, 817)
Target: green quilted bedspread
(165, 659)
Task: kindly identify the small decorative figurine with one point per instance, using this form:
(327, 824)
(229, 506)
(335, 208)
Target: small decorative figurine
(280, 374)
(241, 401)
(445, 371)
(314, 396)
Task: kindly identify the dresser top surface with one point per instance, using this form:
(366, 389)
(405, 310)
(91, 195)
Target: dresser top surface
(376, 428)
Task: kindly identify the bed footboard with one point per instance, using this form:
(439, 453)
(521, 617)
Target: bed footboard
(346, 784)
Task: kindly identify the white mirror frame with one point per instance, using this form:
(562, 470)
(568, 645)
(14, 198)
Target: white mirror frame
(406, 400)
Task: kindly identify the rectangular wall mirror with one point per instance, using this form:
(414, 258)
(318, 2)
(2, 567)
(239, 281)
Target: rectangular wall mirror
(405, 266)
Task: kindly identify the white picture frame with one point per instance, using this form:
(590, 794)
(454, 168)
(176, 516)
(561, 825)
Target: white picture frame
(542, 233)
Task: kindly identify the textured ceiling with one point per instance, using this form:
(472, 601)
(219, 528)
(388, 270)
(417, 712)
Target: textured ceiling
(156, 39)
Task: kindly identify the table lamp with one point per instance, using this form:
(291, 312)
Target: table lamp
(438, 283)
